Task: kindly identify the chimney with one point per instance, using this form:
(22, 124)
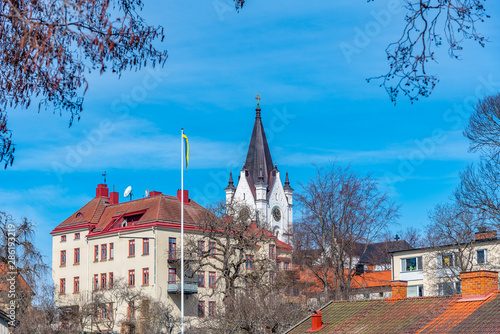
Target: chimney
(399, 289)
(186, 196)
(101, 191)
(317, 323)
(480, 282)
(114, 198)
(485, 235)
(156, 193)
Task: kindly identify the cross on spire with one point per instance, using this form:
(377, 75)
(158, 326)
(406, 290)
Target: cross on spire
(258, 99)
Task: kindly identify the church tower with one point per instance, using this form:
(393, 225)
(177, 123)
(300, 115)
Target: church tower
(260, 188)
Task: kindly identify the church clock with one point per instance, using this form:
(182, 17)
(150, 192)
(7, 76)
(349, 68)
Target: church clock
(276, 214)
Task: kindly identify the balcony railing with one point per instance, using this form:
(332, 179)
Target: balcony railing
(190, 287)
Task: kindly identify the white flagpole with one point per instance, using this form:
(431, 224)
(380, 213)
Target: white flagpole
(182, 230)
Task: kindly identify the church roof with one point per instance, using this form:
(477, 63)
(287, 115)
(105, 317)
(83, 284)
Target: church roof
(258, 156)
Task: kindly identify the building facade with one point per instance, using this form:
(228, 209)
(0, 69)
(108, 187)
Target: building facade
(259, 186)
(434, 271)
(135, 246)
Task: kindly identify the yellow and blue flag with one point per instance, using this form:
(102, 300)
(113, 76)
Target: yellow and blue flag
(186, 149)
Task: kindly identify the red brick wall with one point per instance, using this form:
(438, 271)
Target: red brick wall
(399, 289)
(479, 282)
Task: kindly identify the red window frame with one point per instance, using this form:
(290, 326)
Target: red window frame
(63, 238)
(96, 282)
(131, 310)
(145, 246)
(62, 286)
(201, 247)
(201, 279)
(212, 312)
(171, 248)
(96, 253)
(63, 258)
(103, 281)
(111, 282)
(77, 255)
(145, 276)
(110, 311)
(272, 251)
(201, 309)
(76, 284)
(249, 262)
(131, 247)
(211, 279)
(272, 277)
(212, 248)
(286, 265)
(111, 251)
(131, 277)
(104, 251)
(77, 236)
(172, 276)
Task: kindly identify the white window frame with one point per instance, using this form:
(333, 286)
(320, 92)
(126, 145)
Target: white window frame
(419, 264)
(485, 256)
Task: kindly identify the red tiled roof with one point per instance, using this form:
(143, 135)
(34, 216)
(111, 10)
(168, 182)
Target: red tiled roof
(365, 280)
(4, 270)
(427, 315)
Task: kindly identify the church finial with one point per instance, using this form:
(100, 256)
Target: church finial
(287, 181)
(257, 115)
(231, 183)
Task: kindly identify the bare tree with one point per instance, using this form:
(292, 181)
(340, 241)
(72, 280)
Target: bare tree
(232, 245)
(429, 24)
(342, 213)
(483, 129)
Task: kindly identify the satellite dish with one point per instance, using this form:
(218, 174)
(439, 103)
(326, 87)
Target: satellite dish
(127, 191)
(147, 193)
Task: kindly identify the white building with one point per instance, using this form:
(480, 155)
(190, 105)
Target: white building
(260, 188)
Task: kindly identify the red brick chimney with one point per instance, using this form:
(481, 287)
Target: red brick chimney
(399, 289)
(482, 282)
(186, 196)
(485, 235)
(317, 323)
(102, 190)
(154, 193)
(114, 198)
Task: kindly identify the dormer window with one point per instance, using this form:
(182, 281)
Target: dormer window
(79, 214)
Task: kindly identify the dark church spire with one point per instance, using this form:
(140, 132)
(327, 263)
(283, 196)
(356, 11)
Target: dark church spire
(258, 151)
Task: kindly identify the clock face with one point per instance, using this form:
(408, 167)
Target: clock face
(276, 214)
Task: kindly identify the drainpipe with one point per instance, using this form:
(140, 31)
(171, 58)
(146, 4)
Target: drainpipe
(154, 259)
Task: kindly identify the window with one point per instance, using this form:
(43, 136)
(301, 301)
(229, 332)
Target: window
(249, 262)
(482, 256)
(211, 279)
(111, 280)
(211, 309)
(448, 288)
(62, 286)
(172, 275)
(415, 291)
(201, 247)
(201, 279)
(201, 309)
(272, 251)
(63, 238)
(96, 282)
(131, 310)
(131, 277)
(131, 248)
(211, 249)
(110, 311)
(171, 248)
(145, 276)
(411, 264)
(77, 236)
(278, 264)
(286, 265)
(272, 277)
(104, 252)
(111, 251)
(366, 296)
(76, 284)
(63, 258)
(145, 246)
(96, 252)
(104, 283)
(77, 255)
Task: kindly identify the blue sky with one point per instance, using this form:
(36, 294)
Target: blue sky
(316, 104)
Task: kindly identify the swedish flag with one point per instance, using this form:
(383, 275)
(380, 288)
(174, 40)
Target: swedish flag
(186, 149)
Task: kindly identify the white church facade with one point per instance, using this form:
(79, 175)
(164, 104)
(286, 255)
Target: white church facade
(260, 188)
